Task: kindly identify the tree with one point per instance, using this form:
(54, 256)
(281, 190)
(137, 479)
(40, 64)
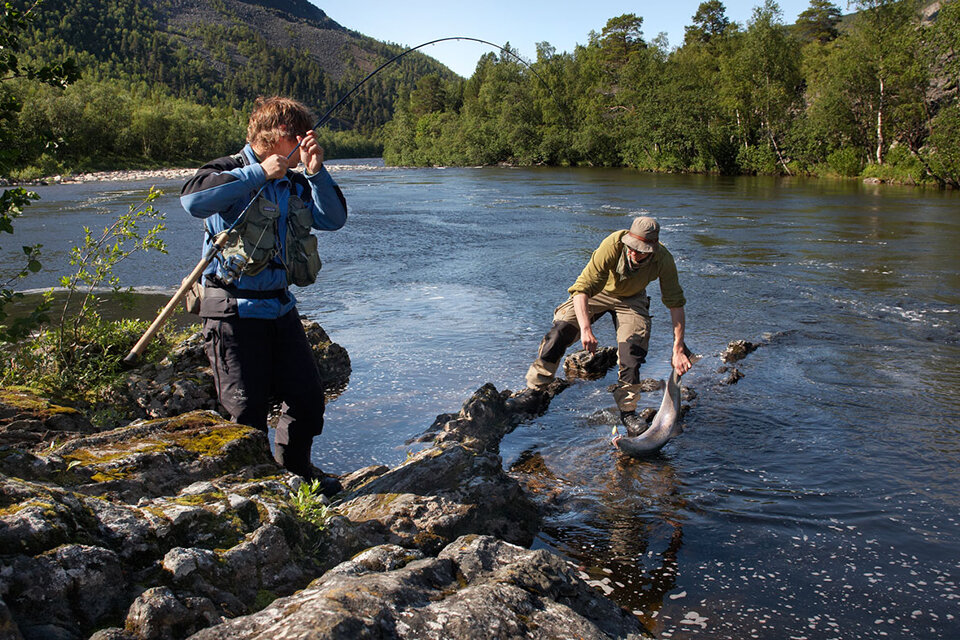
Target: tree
(710, 21)
(885, 34)
(818, 22)
(621, 37)
(762, 85)
(428, 96)
(14, 23)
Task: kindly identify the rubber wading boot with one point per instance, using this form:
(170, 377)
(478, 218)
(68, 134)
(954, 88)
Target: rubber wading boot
(297, 460)
(635, 424)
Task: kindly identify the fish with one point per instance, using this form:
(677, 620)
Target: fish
(665, 425)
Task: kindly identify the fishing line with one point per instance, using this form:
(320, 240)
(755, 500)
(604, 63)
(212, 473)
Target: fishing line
(219, 241)
(326, 117)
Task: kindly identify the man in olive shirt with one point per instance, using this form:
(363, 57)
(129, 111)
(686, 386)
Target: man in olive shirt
(615, 281)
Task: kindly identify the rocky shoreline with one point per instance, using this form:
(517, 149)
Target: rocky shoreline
(180, 524)
(144, 175)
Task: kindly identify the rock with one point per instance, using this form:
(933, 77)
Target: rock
(158, 614)
(183, 382)
(476, 587)
(441, 493)
(360, 477)
(590, 366)
(738, 350)
(71, 588)
(8, 628)
(228, 544)
(733, 377)
(28, 420)
(113, 633)
(181, 522)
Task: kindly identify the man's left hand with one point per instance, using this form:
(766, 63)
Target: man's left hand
(311, 153)
(681, 363)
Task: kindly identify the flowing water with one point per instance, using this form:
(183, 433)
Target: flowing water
(816, 498)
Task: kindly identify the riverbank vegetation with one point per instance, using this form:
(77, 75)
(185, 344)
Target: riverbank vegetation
(165, 84)
(873, 94)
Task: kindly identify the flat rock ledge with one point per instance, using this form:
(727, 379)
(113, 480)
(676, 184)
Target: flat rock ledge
(182, 526)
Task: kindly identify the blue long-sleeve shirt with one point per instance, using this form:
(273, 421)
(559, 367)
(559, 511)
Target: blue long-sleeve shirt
(220, 190)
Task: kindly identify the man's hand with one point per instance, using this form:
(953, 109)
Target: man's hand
(681, 363)
(311, 153)
(588, 340)
(274, 166)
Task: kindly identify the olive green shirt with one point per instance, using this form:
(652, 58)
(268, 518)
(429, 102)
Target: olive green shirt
(600, 274)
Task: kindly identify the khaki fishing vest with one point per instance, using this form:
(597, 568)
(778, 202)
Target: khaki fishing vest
(257, 241)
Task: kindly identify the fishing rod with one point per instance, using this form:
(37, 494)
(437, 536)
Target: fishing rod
(221, 239)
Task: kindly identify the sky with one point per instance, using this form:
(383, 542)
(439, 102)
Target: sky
(522, 23)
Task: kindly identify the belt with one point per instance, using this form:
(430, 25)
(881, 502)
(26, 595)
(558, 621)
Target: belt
(215, 290)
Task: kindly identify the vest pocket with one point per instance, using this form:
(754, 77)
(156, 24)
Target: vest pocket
(303, 260)
(256, 237)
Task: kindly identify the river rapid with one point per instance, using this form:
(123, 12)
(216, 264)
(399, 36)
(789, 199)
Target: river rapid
(816, 498)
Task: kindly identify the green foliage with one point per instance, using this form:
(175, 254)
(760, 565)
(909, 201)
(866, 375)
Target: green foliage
(14, 24)
(97, 359)
(845, 162)
(819, 22)
(767, 98)
(309, 502)
(82, 354)
(94, 261)
(899, 166)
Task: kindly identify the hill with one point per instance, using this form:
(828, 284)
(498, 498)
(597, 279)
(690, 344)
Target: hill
(226, 52)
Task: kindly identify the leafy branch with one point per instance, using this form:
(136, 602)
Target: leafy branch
(95, 260)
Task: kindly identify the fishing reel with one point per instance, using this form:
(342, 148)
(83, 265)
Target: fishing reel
(230, 268)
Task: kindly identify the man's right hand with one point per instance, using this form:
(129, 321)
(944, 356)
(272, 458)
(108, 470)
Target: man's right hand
(588, 340)
(275, 166)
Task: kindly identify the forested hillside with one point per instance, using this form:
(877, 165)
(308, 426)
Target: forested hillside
(168, 81)
(872, 94)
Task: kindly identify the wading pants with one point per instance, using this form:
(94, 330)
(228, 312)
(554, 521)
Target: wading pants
(631, 318)
(254, 361)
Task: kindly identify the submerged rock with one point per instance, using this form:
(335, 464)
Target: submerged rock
(738, 350)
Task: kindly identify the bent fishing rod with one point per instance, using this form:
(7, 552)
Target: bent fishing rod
(221, 239)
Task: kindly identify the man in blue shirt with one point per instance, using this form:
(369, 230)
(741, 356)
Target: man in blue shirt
(252, 332)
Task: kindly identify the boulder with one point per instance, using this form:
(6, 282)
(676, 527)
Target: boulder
(738, 350)
(590, 366)
(28, 421)
(183, 381)
(476, 587)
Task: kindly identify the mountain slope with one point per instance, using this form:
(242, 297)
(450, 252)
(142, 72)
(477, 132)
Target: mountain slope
(227, 52)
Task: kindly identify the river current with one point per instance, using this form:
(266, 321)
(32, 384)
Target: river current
(816, 498)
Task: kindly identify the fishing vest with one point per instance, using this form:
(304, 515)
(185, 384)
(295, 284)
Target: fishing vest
(256, 241)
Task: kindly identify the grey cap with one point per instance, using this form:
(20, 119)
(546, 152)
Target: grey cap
(643, 236)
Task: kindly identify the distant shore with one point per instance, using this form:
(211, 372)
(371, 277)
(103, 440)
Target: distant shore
(134, 175)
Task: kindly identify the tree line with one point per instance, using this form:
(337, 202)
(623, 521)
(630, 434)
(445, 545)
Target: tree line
(150, 95)
(871, 94)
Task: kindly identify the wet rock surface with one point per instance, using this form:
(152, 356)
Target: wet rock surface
(183, 526)
(736, 351)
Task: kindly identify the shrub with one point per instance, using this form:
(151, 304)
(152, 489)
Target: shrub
(845, 162)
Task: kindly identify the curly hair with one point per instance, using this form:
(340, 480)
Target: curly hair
(275, 118)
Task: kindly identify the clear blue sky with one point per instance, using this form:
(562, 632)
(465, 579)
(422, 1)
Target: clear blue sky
(522, 23)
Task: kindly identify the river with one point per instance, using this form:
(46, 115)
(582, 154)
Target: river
(817, 498)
